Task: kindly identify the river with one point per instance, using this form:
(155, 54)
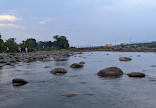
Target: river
(45, 90)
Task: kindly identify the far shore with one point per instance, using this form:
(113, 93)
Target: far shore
(114, 49)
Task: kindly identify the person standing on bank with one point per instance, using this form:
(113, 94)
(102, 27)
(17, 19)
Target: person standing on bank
(26, 49)
(7, 49)
(19, 49)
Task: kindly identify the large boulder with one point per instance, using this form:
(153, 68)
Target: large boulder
(136, 74)
(110, 71)
(59, 71)
(19, 82)
(77, 65)
(125, 59)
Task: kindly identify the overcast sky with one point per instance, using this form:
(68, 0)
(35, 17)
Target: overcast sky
(83, 22)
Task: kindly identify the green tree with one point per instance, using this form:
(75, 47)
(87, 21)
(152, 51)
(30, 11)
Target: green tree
(11, 44)
(61, 42)
(1, 45)
(30, 43)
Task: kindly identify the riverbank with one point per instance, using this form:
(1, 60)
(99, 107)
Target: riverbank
(115, 49)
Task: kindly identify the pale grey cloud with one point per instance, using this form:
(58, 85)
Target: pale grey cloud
(8, 18)
(42, 22)
(12, 26)
(45, 20)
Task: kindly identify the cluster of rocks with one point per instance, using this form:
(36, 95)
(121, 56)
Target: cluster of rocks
(107, 72)
(12, 58)
(59, 71)
(115, 71)
(8, 59)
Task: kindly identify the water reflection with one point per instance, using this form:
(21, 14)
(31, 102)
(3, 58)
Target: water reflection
(110, 77)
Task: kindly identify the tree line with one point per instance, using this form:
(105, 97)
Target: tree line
(60, 42)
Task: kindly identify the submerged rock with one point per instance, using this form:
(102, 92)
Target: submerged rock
(136, 74)
(110, 71)
(47, 67)
(71, 94)
(125, 59)
(77, 65)
(74, 75)
(59, 71)
(19, 82)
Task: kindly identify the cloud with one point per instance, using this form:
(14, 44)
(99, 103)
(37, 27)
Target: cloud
(42, 22)
(8, 18)
(45, 20)
(12, 26)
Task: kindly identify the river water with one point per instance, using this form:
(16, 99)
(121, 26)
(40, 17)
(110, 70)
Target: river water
(45, 90)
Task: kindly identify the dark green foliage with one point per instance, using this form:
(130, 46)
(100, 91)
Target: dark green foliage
(11, 44)
(61, 42)
(45, 45)
(1, 45)
(30, 43)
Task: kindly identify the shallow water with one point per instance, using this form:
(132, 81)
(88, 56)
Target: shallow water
(45, 90)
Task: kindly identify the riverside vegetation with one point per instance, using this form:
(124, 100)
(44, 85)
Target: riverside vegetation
(60, 42)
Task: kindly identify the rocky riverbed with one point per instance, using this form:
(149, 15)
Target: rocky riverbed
(12, 58)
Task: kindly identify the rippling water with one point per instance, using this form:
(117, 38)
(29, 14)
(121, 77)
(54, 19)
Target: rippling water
(45, 90)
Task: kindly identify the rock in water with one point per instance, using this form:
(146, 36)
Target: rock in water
(110, 71)
(82, 62)
(51, 59)
(71, 94)
(136, 74)
(59, 71)
(77, 65)
(19, 82)
(47, 67)
(125, 59)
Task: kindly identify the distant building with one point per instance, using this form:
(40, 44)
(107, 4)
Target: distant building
(108, 45)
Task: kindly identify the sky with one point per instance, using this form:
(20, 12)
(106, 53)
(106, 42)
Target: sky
(83, 22)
